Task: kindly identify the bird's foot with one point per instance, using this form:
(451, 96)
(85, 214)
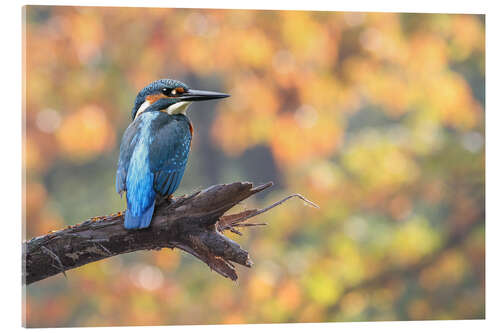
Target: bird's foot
(165, 200)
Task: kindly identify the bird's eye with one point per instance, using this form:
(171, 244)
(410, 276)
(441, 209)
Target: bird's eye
(172, 92)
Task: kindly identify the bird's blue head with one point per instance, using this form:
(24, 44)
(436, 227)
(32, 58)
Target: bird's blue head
(169, 96)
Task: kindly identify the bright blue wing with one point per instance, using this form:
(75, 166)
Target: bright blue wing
(134, 175)
(140, 193)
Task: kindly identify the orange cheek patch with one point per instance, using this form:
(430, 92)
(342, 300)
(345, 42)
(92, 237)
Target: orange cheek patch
(153, 98)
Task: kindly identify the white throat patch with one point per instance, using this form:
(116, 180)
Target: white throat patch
(143, 107)
(179, 107)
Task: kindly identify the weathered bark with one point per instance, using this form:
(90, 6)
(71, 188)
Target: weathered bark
(191, 223)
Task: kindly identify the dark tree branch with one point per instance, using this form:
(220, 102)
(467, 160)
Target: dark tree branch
(192, 223)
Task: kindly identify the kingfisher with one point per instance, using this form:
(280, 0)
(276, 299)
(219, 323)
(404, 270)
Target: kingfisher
(155, 147)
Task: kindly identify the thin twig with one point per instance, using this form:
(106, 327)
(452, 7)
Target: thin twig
(263, 210)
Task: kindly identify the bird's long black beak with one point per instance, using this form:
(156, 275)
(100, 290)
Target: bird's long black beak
(202, 95)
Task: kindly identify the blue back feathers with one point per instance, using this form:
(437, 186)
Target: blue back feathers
(153, 157)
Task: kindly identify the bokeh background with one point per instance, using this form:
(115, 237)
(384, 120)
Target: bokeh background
(376, 117)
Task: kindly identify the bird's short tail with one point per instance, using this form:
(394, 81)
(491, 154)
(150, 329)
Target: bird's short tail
(139, 222)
